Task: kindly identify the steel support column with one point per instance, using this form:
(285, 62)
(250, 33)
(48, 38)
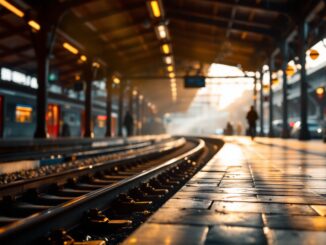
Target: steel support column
(43, 41)
(88, 75)
(108, 107)
(303, 34)
(120, 110)
(131, 101)
(142, 116)
(271, 114)
(138, 116)
(255, 93)
(261, 104)
(285, 125)
(131, 107)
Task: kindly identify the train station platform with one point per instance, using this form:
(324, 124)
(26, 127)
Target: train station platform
(269, 191)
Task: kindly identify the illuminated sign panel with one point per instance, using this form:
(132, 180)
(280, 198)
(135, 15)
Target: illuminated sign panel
(18, 77)
(194, 82)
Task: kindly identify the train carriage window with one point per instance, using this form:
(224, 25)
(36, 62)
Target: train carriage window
(101, 121)
(24, 114)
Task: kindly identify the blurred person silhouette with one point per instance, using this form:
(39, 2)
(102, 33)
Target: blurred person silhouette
(252, 117)
(239, 128)
(228, 129)
(65, 130)
(129, 123)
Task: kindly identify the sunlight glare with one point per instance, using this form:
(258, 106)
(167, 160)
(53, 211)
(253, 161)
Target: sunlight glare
(223, 91)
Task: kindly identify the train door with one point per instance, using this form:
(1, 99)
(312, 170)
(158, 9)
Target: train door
(113, 125)
(53, 120)
(1, 116)
(82, 123)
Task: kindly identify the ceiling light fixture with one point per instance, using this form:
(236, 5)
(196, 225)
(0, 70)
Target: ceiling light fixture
(172, 75)
(168, 60)
(155, 8)
(161, 32)
(12, 8)
(70, 48)
(170, 68)
(96, 65)
(166, 48)
(116, 80)
(83, 58)
(36, 26)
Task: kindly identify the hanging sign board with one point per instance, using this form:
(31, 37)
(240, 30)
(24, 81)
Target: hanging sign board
(194, 82)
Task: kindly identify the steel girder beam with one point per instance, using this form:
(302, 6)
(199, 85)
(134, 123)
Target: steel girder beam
(107, 13)
(221, 25)
(269, 7)
(220, 19)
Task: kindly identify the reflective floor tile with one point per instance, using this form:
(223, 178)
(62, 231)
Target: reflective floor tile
(203, 184)
(286, 193)
(202, 181)
(212, 189)
(235, 235)
(187, 203)
(243, 185)
(227, 207)
(312, 223)
(150, 234)
(208, 175)
(217, 196)
(295, 237)
(288, 209)
(236, 190)
(292, 199)
(320, 209)
(206, 217)
(232, 181)
(213, 168)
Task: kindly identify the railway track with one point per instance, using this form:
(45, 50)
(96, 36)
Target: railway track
(76, 148)
(48, 161)
(101, 203)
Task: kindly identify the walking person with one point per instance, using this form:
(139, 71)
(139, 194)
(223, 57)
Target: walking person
(252, 117)
(129, 123)
(228, 129)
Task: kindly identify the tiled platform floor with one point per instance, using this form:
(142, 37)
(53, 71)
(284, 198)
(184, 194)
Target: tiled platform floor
(269, 191)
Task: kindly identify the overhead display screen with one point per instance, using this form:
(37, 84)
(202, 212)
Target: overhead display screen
(194, 82)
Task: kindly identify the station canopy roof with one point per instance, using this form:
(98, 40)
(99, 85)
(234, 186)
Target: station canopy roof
(123, 37)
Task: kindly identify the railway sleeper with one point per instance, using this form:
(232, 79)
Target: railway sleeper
(121, 215)
(131, 209)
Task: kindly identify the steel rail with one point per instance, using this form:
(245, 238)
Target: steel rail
(67, 215)
(18, 187)
(66, 152)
